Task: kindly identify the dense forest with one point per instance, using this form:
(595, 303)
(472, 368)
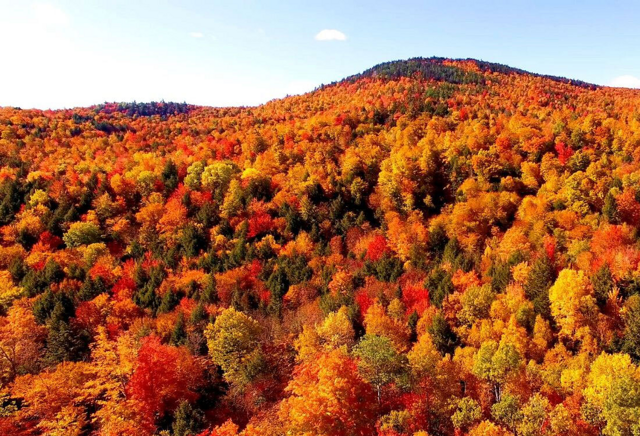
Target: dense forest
(432, 247)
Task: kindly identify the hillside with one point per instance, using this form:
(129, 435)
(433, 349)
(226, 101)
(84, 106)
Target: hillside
(449, 70)
(430, 247)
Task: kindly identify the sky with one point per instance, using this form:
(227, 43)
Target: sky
(63, 53)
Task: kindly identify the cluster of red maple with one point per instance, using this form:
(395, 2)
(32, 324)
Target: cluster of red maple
(433, 247)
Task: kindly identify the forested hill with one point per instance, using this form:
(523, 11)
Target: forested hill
(432, 247)
(451, 70)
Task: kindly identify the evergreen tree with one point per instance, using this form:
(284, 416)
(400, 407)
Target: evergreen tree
(47, 303)
(210, 292)
(439, 285)
(11, 201)
(610, 209)
(278, 284)
(33, 283)
(179, 333)
(198, 314)
(500, 276)
(444, 338)
(187, 420)
(72, 215)
(91, 288)
(53, 272)
(192, 241)
(60, 342)
(17, 269)
(170, 177)
(63, 344)
(146, 296)
(412, 322)
(541, 277)
(602, 282)
(169, 301)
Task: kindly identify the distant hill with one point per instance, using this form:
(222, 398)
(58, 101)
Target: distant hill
(450, 70)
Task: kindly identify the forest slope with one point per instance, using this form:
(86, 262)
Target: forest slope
(431, 247)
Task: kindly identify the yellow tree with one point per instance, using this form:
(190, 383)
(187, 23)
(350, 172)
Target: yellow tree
(377, 322)
(328, 398)
(113, 364)
(612, 395)
(21, 342)
(233, 342)
(572, 303)
(8, 291)
(424, 357)
(336, 330)
(55, 398)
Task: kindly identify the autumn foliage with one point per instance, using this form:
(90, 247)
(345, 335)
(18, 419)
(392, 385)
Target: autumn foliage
(432, 247)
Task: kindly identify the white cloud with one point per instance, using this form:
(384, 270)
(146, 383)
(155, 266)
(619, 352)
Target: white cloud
(196, 34)
(330, 35)
(625, 82)
(48, 14)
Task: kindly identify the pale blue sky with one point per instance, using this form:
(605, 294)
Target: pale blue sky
(64, 53)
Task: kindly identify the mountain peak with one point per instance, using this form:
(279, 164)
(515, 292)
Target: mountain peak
(456, 71)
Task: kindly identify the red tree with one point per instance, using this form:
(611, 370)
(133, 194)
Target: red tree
(164, 376)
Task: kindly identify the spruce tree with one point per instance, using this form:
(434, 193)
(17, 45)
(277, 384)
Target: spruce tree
(179, 333)
(541, 277)
(602, 282)
(610, 209)
(187, 420)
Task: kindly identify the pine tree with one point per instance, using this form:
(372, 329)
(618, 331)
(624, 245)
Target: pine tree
(170, 177)
(210, 292)
(63, 344)
(444, 338)
(198, 314)
(192, 241)
(169, 301)
(610, 209)
(179, 333)
(278, 284)
(187, 420)
(541, 277)
(602, 282)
